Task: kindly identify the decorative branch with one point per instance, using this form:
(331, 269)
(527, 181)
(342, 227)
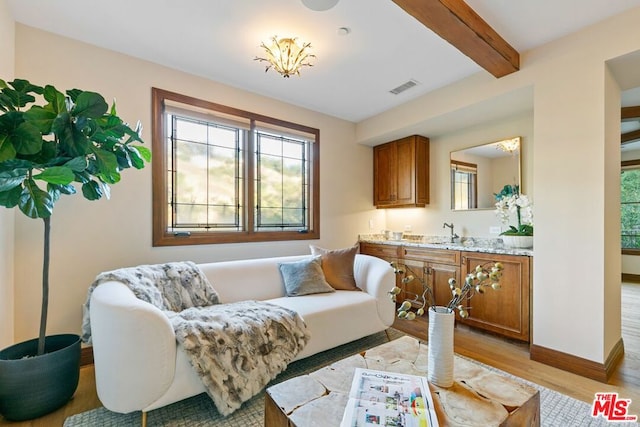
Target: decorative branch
(484, 276)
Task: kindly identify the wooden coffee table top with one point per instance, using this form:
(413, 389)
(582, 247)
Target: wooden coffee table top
(478, 397)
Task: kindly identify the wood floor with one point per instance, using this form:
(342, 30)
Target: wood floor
(510, 356)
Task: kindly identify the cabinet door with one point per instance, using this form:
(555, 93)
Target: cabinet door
(413, 290)
(405, 173)
(505, 311)
(384, 174)
(401, 173)
(439, 275)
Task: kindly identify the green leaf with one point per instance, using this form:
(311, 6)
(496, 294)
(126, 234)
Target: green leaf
(107, 165)
(143, 151)
(6, 148)
(61, 123)
(55, 98)
(41, 118)
(56, 175)
(90, 104)
(5, 103)
(72, 142)
(64, 189)
(91, 190)
(35, 202)
(10, 198)
(26, 139)
(3, 84)
(136, 155)
(13, 164)
(24, 86)
(46, 155)
(73, 94)
(77, 164)
(12, 178)
(20, 95)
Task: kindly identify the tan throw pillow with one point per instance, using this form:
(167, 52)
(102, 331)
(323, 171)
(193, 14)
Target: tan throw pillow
(338, 266)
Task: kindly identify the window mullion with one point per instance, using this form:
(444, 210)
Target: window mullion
(174, 181)
(250, 197)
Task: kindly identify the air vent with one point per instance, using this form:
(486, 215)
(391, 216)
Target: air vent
(408, 85)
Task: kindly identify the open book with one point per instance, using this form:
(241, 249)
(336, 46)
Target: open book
(379, 398)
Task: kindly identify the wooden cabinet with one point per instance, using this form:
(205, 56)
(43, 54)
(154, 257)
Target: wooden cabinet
(438, 266)
(505, 311)
(389, 253)
(401, 173)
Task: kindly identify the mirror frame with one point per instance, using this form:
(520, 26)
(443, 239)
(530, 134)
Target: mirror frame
(505, 145)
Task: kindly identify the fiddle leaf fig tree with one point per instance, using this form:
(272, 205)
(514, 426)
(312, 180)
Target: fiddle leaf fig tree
(52, 143)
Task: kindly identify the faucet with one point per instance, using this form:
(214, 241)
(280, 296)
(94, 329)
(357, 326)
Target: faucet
(454, 236)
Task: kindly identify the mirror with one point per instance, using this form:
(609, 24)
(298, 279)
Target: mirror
(477, 173)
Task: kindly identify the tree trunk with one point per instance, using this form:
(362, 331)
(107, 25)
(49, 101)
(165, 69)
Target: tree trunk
(45, 285)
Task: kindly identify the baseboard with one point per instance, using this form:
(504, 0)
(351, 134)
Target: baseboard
(86, 356)
(633, 278)
(577, 365)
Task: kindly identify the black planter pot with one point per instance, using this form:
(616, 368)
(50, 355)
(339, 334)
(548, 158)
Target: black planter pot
(32, 386)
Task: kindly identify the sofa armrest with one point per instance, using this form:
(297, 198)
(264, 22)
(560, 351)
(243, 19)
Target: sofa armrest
(375, 276)
(134, 348)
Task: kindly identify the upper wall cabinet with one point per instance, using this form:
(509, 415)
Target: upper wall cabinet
(401, 173)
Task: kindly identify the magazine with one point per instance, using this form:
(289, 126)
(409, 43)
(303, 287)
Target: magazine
(379, 398)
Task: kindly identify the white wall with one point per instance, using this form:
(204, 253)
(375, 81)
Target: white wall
(90, 237)
(572, 173)
(7, 53)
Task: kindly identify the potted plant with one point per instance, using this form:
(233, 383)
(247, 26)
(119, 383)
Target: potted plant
(47, 150)
(508, 202)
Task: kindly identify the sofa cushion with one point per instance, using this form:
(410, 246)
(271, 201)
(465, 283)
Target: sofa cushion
(304, 277)
(337, 266)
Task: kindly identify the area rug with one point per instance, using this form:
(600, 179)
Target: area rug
(556, 409)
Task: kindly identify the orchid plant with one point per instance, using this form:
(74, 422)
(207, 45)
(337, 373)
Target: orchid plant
(484, 276)
(509, 202)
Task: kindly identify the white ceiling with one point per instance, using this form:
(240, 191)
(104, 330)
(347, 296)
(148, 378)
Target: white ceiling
(353, 74)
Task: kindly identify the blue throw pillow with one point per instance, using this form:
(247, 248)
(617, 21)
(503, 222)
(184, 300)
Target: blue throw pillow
(304, 277)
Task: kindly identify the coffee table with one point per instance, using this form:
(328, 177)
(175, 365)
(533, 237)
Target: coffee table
(478, 397)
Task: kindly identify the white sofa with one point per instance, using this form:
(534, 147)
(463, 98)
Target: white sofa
(140, 367)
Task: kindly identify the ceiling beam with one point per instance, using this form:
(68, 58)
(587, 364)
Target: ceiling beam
(630, 113)
(461, 26)
(625, 138)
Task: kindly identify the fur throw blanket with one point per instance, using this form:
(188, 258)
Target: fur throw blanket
(173, 286)
(237, 348)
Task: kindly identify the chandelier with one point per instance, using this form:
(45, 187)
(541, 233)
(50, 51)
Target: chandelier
(286, 55)
(509, 145)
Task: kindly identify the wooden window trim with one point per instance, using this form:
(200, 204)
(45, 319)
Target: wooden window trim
(161, 237)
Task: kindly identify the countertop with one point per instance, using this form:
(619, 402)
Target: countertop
(469, 244)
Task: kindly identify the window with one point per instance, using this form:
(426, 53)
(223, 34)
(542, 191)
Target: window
(630, 206)
(225, 175)
(464, 177)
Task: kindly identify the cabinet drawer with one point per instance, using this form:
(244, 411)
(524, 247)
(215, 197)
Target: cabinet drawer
(382, 251)
(441, 256)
